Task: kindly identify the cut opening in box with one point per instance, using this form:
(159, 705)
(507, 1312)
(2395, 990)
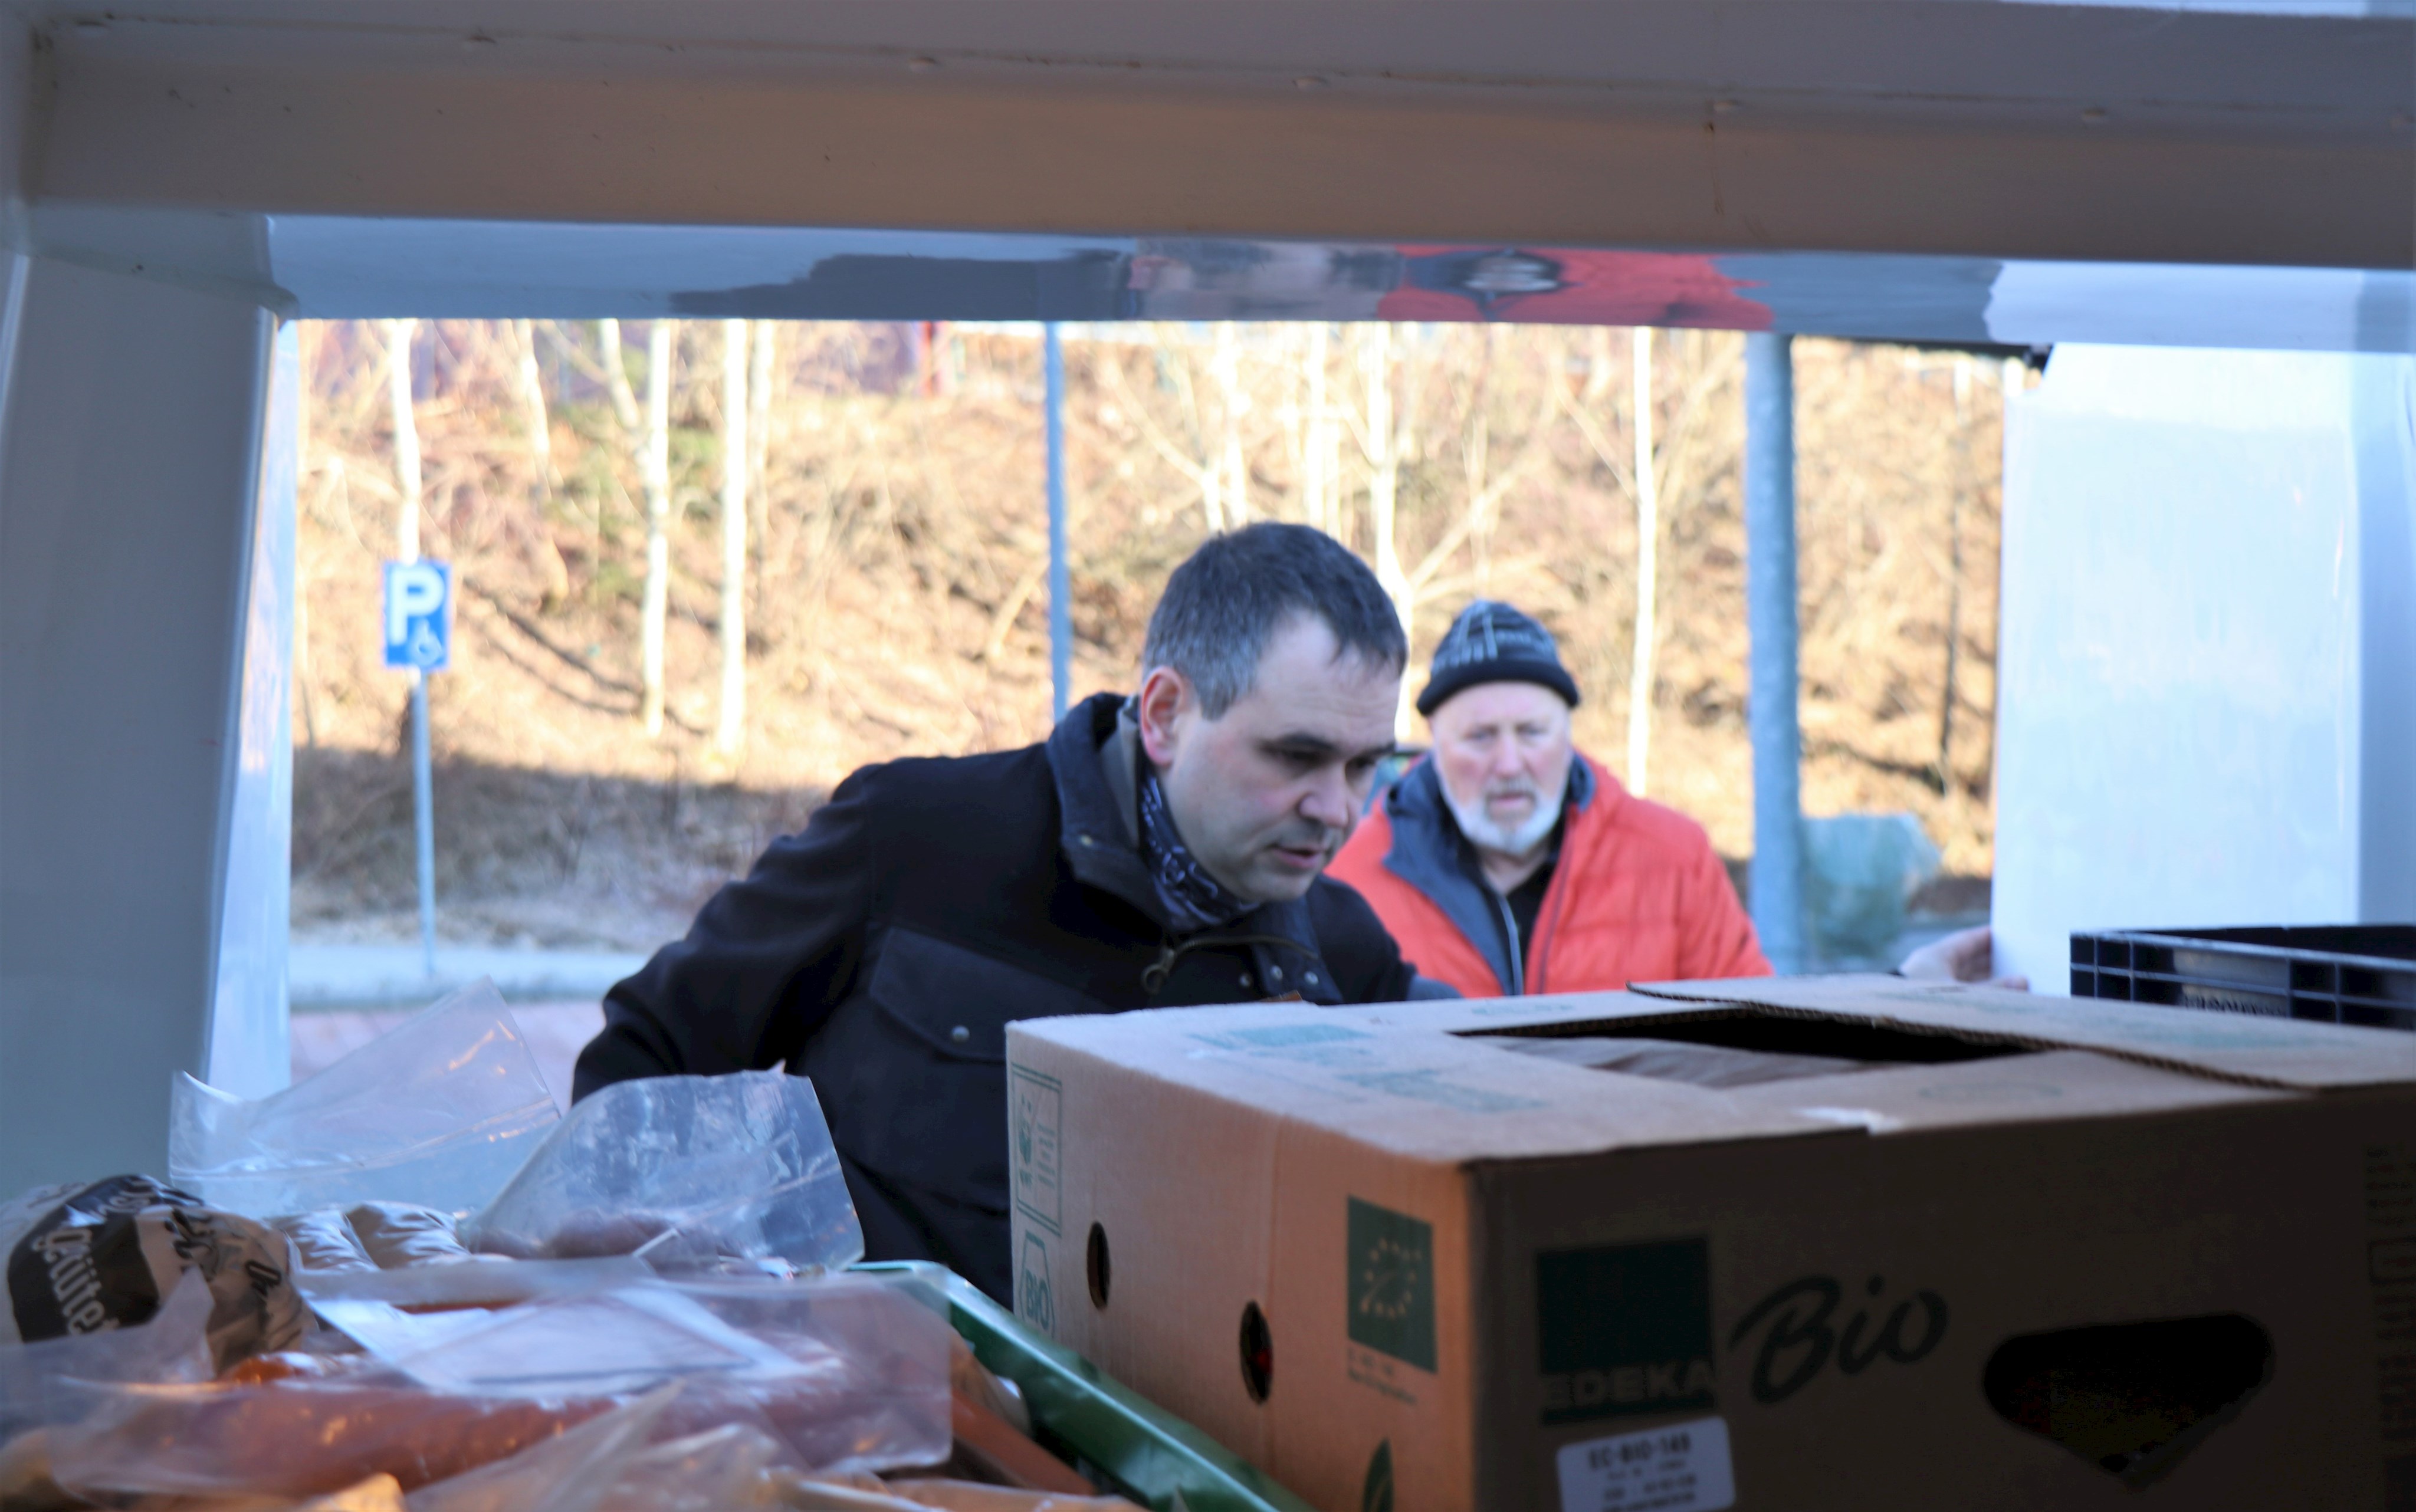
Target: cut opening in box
(1740, 1048)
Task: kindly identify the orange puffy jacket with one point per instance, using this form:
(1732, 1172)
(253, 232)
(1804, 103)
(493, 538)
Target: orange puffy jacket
(1636, 895)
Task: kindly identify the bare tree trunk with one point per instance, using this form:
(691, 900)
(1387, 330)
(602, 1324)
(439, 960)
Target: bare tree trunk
(1176, 360)
(531, 387)
(1231, 404)
(398, 336)
(1955, 576)
(616, 375)
(759, 440)
(542, 477)
(729, 736)
(1647, 542)
(1384, 449)
(1319, 463)
(1597, 380)
(657, 467)
(1476, 445)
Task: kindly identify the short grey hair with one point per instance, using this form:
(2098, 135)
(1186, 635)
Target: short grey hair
(1224, 604)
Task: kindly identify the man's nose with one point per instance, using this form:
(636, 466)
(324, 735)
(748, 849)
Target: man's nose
(1328, 801)
(1508, 760)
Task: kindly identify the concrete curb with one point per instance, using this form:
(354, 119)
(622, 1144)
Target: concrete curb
(322, 977)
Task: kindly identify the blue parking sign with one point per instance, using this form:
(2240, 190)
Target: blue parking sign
(419, 615)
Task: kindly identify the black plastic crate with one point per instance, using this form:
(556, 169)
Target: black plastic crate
(2334, 973)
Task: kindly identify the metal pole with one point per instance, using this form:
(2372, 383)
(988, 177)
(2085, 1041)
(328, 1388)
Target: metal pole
(1777, 877)
(424, 822)
(1061, 608)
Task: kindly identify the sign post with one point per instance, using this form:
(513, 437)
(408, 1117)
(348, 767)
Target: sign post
(419, 639)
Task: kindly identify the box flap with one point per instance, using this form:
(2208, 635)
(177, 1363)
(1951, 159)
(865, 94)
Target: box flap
(1431, 1097)
(2256, 1052)
(2054, 1086)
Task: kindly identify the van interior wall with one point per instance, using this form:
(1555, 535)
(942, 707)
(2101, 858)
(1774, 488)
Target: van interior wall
(896, 596)
(126, 479)
(2209, 640)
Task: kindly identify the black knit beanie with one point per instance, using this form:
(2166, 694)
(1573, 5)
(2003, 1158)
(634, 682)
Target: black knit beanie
(1492, 642)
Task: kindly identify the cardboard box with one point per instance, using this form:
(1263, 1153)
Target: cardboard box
(2037, 1253)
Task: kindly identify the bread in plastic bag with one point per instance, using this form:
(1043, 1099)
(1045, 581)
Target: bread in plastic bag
(967, 1496)
(845, 1373)
(99, 1256)
(38, 1384)
(570, 1473)
(439, 1112)
(323, 1242)
(691, 1174)
(720, 1470)
(301, 1436)
(397, 1235)
(862, 1493)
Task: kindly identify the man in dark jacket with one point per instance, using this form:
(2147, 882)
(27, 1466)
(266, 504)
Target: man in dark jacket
(1163, 850)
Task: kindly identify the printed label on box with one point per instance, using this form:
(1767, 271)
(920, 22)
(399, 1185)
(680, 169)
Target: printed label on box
(1037, 1101)
(1681, 1468)
(1391, 1284)
(1626, 1330)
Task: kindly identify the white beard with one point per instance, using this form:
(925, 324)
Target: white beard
(1486, 834)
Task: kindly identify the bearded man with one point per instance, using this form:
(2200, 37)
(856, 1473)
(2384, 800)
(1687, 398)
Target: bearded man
(1508, 863)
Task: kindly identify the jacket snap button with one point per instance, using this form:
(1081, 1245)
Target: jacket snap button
(960, 1034)
(1312, 979)
(1274, 973)
(1245, 979)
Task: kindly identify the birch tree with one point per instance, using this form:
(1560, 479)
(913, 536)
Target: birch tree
(532, 393)
(759, 436)
(398, 335)
(1648, 540)
(1383, 447)
(1233, 403)
(616, 376)
(1322, 461)
(655, 604)
(729, 735)
(1208, 474)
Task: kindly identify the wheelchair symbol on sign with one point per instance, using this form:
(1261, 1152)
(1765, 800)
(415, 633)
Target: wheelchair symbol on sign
(419, 618)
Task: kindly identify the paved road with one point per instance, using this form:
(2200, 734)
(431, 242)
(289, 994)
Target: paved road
(396, 976)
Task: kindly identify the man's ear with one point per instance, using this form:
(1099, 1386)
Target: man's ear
(1165, 695)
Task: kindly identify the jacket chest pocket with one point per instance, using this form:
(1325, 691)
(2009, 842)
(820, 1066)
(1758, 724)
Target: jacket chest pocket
(957, 1002)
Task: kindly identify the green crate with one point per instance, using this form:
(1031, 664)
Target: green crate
(1138, 1450)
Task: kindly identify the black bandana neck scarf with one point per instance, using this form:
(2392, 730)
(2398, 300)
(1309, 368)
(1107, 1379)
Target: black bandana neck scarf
(1193, 900)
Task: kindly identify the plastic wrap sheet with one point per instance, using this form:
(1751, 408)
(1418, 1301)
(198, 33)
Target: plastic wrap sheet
(440, 1112)
(847, 1373)
(691, 1173)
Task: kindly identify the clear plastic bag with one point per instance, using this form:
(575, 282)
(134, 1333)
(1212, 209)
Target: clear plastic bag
(568, 1474)
(720, 1469)
(35, 1379)
(845, 1373)
(94, 1257)
(301, 1437)
(1859, 872)
(873, 1392)
(689, 1172)
(439, 1112)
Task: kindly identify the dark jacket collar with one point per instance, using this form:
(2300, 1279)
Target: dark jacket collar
(1430, 854)
(1099, 827)
(1094, 754)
